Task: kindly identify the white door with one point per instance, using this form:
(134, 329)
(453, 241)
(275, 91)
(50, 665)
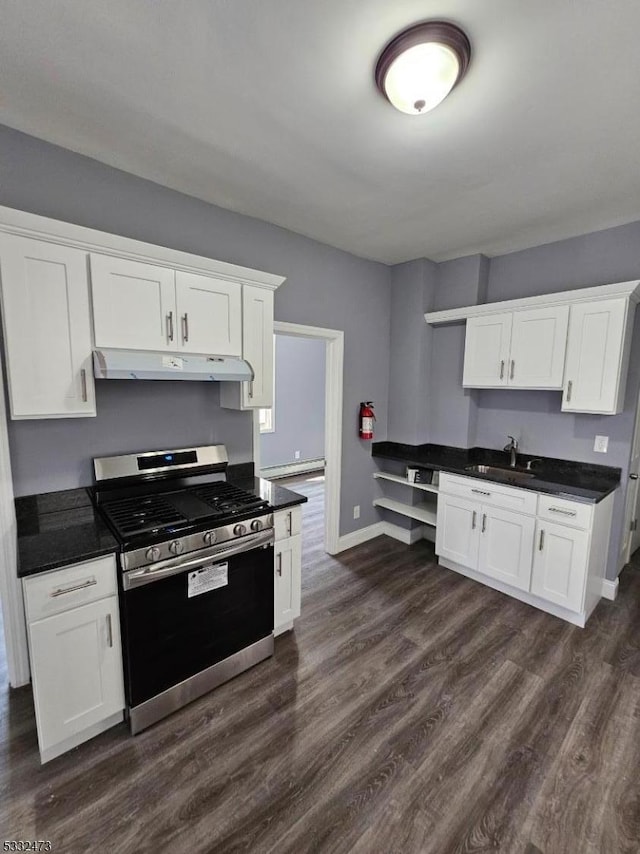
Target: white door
(594, 357)
(77, 670)
(538, 347)
(486, 350)
(209, 315)
(506, 546)
(457, 530)
(631, 531)
(257, 345)
(287, 581)
(47, 329)
(134, 305)
(560, 565)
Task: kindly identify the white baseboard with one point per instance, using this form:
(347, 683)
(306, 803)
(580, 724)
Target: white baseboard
(271, 472)
(408, 537)
(362, 535)
(609, 589)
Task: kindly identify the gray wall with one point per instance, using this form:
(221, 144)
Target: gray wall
(299, 402)
(324, 287)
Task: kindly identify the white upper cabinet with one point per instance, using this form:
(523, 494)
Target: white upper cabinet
(257, 350)
(538, 345)
(47, 329)
(598, 356)
(209, 315)
(522, 349)
(486, 350)
(134, 304)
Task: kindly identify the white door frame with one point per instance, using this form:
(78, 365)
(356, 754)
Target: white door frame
(334, 341)
(15, 629)
(632, 498)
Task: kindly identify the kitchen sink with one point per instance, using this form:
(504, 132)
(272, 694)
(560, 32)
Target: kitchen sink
(497, 471)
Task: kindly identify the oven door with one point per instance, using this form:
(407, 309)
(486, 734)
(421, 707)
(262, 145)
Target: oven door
(186, 614)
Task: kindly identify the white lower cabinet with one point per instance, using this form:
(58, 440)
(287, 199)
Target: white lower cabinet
(495, 542)
(287, 569)
(75, 653)
(559, 564)
(552, 554)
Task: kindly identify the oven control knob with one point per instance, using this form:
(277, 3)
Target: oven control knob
(256, 525)
(209, 538)
(153, 553)
(239, 530)
(176, 547)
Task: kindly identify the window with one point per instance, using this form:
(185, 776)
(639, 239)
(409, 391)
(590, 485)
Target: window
(266, 420)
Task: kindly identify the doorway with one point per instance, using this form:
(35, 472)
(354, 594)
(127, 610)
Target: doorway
(332, 340)
(631, 538)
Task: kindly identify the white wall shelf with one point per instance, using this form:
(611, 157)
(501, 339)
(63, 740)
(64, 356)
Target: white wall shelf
(424, 513)
(426, 487)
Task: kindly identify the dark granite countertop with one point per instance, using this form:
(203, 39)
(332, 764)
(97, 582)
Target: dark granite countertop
(59, 528)
(577, 481)
(278, 497)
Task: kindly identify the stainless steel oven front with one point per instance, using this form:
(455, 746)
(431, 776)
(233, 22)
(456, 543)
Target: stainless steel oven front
(192, 622)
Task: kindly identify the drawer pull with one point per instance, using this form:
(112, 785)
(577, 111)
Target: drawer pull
(279, 569)
(560, 510)
(473, 520)
(541, 543)
(569, 388)
(480, 492)
(484, 522)
(90, 582)
(289, 523)
(83, 380)
(109, 631)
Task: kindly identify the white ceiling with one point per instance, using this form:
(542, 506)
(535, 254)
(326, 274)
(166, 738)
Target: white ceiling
(268, 107)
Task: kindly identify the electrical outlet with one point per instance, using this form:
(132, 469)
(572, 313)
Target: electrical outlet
(356, 511)
(296, 455)
(601, 444)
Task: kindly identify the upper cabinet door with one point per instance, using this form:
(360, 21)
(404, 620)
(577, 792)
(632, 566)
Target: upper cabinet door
(209, 315)
(486, 350)
(538, 346)
(47, 329)
(134, 305)
(597, 357)
(257, 345)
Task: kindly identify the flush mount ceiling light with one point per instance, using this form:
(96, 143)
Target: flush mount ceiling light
(421, 65)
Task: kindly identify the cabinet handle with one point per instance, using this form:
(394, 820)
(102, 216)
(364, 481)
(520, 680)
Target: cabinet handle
(289, 523)
(473, 520)
(251, 388)
(633, 476)
(109, 631)
(170, 326)
(185, 327)
(569, 388)
(90, 582)
(513, 368)
(541, 543)
(484, 522)
(502, 369)
(480, 492)
(560, 510)
(83, 380)
(279, 567)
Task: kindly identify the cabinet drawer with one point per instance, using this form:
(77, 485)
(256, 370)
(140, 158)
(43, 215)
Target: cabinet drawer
(488, 492)
(63, 589)
(565, 512)
(287, 523)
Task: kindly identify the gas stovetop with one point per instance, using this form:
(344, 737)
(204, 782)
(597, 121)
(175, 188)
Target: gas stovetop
(164, 503)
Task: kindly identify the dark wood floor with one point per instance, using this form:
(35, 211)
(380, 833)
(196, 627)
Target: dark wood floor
(411, 711)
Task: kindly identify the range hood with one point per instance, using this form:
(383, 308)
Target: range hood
(145, 365)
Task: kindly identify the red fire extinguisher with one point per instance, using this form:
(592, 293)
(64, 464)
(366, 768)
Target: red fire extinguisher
(365, 420)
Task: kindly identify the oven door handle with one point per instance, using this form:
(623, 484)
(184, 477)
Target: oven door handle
(175, 566)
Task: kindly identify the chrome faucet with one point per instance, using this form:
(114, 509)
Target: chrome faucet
(512, 448)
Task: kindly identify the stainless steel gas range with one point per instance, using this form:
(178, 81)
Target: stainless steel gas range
(196, 580)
